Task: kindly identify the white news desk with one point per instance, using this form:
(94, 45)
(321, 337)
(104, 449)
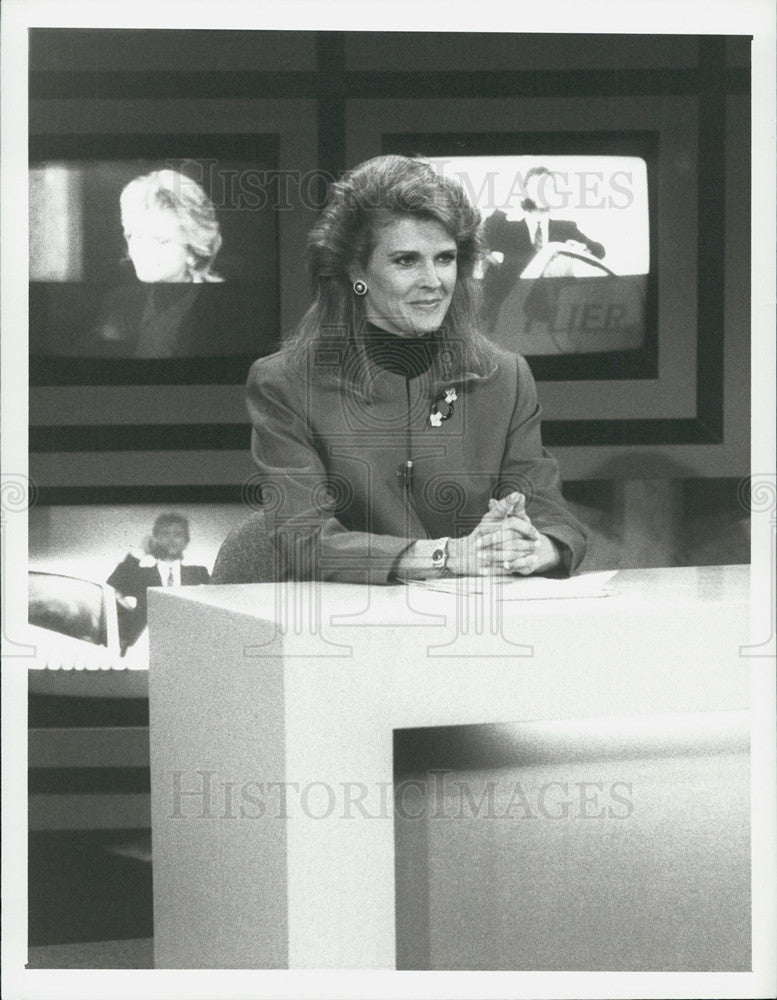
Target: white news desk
(306, 684)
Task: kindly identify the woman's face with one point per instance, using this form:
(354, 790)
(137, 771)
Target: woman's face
(157, 247)
(410, 277)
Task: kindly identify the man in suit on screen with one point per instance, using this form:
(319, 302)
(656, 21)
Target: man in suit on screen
(513, 243)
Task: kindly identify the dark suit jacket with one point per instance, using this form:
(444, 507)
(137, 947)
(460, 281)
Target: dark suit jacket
(336, 508)
(131, 579)
(514, 240)
(179, 320)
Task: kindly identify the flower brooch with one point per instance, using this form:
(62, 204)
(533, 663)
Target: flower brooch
(442, 406)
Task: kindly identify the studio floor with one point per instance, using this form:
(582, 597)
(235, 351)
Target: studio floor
(90, 903)
(135, 953)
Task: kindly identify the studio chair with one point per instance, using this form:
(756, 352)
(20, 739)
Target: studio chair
(246, 555)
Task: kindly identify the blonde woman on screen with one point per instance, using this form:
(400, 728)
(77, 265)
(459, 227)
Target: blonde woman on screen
(171, 228)
(173, 237)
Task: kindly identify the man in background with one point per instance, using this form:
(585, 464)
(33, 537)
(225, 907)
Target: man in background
(161, 565)
(513, 243)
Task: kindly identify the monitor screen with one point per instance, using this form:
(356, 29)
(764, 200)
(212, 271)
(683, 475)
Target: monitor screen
(161, 262)
(567, 249)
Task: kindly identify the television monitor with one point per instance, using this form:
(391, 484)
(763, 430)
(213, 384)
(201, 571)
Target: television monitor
(568, 276)
(154, 267)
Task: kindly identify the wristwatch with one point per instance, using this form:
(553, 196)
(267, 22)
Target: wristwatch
(440, 554)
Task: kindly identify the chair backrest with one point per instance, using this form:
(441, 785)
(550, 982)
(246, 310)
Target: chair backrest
(246, 555)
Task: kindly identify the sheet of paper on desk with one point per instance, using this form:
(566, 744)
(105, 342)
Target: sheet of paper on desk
(524, 588)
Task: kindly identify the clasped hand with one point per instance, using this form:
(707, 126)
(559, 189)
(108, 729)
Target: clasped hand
(504, 542)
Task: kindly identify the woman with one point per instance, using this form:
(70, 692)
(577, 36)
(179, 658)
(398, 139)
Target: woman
(172, 236)
(171, 228)
(392, 440)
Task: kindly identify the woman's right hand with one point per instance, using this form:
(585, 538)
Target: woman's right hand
(472, 555)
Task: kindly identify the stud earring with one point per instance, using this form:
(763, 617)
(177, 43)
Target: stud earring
(359, 288)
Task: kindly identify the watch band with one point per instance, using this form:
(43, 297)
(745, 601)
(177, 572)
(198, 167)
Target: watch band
(440, 554)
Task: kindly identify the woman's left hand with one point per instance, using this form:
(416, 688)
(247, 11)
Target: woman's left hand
(513, 545)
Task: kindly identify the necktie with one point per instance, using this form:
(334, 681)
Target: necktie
(539, 242)
(170, 580)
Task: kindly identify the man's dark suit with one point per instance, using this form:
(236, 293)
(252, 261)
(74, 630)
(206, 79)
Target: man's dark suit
(131, 579)
(514, 240)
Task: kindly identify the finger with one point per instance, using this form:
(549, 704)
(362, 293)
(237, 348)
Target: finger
(523, 528)
(510, 566)
(496, 569)
(509, 549)
(489, 529)
(480, 564)
(511, 556)
(477, 561)
(494, 513)
(524, 566)
(518, 534)
(521, 522)
(506, 505)
(518, 503)
(513, 503)
(505, 567)
(508, 544)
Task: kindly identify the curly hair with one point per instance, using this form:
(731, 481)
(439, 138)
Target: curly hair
(182, 197)
(364, 200)
(169, 518)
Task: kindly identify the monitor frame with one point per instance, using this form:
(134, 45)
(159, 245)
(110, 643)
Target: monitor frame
(639, 363)
(250, 148)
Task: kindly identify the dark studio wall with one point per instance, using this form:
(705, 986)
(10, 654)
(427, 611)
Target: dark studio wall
(328, 99)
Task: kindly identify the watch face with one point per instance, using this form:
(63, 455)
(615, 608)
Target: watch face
(440, 555)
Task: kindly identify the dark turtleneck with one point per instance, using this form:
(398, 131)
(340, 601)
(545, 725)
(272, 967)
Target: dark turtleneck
(408, 356)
